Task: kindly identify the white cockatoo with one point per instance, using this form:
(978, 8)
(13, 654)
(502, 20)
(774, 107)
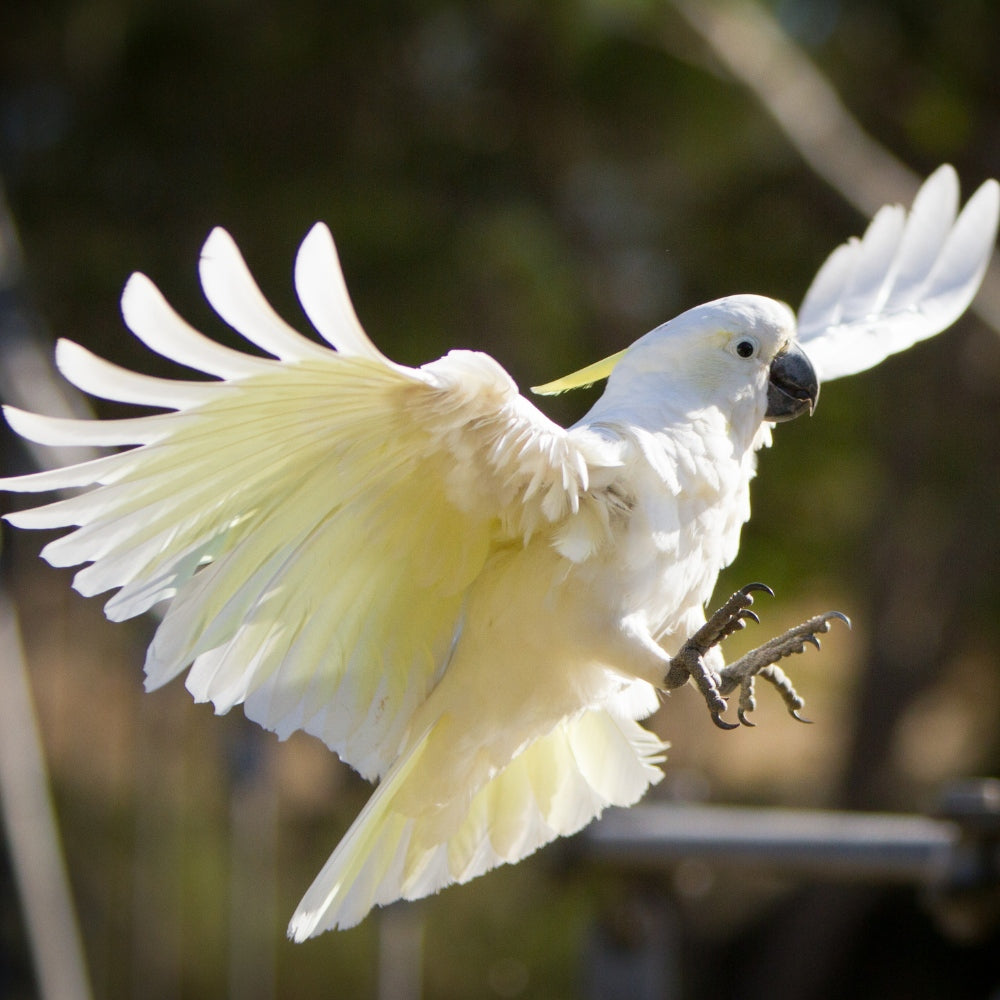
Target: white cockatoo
(465, 601)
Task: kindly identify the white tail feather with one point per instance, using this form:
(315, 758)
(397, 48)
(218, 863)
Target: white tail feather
(554, 787)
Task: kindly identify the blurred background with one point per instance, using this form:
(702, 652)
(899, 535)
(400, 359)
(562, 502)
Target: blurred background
(545, 182)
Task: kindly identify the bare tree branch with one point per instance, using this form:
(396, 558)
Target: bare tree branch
(758, 53)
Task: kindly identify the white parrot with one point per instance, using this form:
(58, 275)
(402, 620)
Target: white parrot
(467, 602)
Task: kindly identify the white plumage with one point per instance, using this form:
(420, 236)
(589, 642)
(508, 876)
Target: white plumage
(909, 277)
(464, 600)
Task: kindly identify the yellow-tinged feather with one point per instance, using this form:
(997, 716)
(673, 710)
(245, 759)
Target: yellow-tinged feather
(316, 524)
(580, 379)
(557, 784)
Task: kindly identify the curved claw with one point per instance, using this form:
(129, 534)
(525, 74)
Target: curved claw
(812, 640)
(722, 724)
(794, 713)
(747, 613)
(751, 587)
(745, 719)
(839, 615)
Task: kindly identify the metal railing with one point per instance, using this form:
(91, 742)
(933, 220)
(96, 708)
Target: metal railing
(951, 858)
(958, 848)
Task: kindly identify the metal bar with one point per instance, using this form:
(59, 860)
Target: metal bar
(817, 844)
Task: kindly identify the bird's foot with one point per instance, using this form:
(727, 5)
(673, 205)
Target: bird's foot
(762, 662)
(759, 662)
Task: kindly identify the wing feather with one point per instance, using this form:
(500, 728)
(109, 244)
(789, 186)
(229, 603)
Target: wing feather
(875, 265)
(931, 218)
(148, 315)
(553, 788)
(322, 291)
(105, 380)
(315, 520)
(903, 281)
(74, 431)
(234, 295)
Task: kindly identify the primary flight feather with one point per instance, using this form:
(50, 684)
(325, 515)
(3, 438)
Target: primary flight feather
(467, 602)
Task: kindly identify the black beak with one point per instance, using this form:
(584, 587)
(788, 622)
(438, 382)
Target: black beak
(792, 387)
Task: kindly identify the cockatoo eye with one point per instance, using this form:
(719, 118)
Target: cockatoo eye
(746, 348)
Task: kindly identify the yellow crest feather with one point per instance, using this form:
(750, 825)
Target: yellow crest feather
(577, 380)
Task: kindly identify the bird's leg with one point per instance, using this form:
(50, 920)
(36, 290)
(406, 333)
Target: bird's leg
(687, 662)
(760, 662)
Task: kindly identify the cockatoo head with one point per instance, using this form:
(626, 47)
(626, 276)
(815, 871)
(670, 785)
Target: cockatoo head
(737, 354)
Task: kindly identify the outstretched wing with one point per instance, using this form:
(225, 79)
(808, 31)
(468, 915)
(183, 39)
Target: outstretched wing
(908, 278)
(313, 518)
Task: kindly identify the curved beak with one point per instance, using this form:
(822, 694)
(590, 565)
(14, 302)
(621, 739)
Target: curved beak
(792, 385)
